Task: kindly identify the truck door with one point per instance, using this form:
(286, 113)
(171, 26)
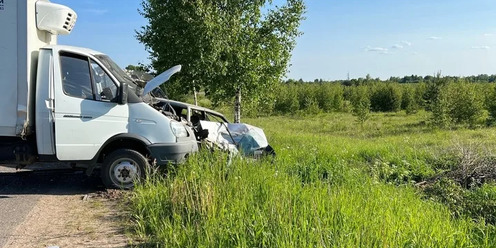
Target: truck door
(86, 114)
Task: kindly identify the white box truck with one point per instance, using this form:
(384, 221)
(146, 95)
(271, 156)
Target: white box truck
(75, 105)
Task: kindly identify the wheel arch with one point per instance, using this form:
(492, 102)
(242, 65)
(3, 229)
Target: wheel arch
(123, 141)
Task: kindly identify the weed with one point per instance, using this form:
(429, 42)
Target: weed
(332, 185)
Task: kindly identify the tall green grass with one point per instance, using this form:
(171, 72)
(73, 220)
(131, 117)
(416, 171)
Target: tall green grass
(323, 190)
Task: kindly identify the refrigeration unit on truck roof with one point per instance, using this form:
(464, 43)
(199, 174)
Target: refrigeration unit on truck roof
(27, 26)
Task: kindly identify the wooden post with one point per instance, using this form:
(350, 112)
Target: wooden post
(237, 106)
(194, 95)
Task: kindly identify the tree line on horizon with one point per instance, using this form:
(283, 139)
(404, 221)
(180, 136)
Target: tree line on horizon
(481, 78)
(469, 101)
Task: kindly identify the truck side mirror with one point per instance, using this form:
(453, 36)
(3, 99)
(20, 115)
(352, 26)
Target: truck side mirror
(122, 96)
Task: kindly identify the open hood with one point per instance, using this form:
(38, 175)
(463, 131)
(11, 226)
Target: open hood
(160, 79)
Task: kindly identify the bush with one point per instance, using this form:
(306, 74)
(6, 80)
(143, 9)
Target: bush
(330, 97)
(449, 193)
(386, 97)
(478, 203)
(338, 99)
(262, 106)
(408, 101)
(481, 203)
(456, 103)
(419, 92)
(307, 97)
(432, 92)
(361, 103)
(440, 107)
(491, 106)
(286, 100)
(451, 100)
(465, 105)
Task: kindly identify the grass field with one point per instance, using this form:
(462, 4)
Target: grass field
(334, 183)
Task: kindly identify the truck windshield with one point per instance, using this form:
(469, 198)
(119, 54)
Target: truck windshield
(118, 72)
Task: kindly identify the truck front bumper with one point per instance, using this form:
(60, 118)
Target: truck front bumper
(172, 152)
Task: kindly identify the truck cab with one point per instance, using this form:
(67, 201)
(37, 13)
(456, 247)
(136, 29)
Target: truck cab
(75, 105)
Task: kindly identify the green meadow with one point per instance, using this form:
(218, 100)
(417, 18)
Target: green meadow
(393, 181)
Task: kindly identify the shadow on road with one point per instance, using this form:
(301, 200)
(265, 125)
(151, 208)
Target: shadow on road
(47, 182)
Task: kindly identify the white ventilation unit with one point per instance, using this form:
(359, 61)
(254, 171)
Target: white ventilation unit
(55, 18)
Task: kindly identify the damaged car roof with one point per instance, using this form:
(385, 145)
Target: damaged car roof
(188, 105)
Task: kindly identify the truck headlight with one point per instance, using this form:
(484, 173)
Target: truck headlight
(179, 130)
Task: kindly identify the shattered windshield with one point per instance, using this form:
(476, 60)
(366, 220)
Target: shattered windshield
(157, 92)
(119, 73)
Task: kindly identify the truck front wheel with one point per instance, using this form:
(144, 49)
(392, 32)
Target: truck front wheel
(122, 168)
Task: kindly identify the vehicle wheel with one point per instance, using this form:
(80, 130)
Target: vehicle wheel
(122, 168)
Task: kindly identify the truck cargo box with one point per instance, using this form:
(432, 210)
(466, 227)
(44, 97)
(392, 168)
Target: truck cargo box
(19, 46)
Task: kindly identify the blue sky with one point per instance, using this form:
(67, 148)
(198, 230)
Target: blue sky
(382, 38)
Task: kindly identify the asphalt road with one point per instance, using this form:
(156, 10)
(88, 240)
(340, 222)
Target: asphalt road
(20, 191)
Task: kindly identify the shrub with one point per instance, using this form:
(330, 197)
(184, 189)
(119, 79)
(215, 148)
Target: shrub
(419, 93)
(449, 193)
(491, 105)
(311, 106)
(338, 99)
(408, 101)
(478, 203)
(456, 103)
(386, 97)
(440, 107)
(256, 107)
(481, 203)
(465, 105)
(286, 99)
(330, 97)
(361, 103)
(307, 97)
(432, 92)
(324, 96)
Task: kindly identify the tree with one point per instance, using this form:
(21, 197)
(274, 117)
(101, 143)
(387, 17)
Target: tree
(140, 67)
(360, 101)
(408, 101)
(180, 32)
(385, 97)
(491, 106)
(226, 47)
(466, 104)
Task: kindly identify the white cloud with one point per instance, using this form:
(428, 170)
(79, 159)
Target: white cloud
(435, 38)
(401, 45)
(376, 49)
(481, 47)
(489, 34)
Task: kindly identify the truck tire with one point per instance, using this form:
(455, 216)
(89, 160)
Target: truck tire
(122, 168)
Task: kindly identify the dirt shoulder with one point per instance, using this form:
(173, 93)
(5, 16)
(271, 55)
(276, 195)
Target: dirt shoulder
(81, 220)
